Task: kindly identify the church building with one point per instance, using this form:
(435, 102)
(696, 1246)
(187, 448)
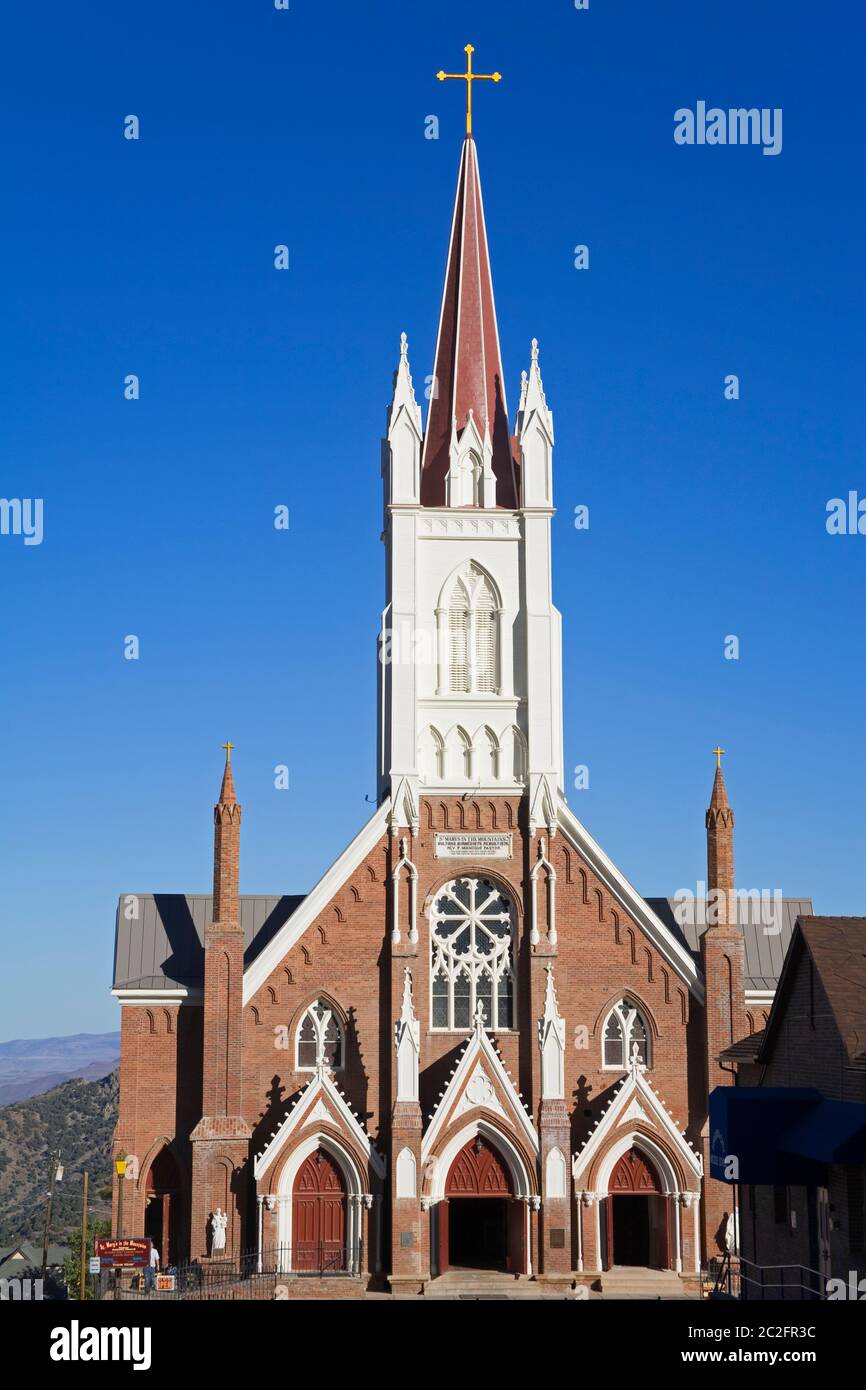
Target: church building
(473, 1045)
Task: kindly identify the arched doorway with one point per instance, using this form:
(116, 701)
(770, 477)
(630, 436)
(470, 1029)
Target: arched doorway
(637, 1214)
(482, 1224)
(319, 1216)
(164, 1220)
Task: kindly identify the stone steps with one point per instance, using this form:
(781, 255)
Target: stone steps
(625, 1282)
(472, 1284)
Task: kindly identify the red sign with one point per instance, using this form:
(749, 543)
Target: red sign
(134, 1252)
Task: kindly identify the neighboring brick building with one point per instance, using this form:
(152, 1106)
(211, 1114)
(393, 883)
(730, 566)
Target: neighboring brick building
(473, 1042)
(802, 1083)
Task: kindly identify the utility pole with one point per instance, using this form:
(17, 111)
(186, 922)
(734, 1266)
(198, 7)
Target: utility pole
(55, 1164)
(82, 1278)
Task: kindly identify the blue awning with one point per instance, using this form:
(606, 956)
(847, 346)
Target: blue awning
(833, 1131)
(747, 1125)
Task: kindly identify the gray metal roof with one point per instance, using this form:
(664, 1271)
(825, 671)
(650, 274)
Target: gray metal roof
(163, 944)
(766, 938)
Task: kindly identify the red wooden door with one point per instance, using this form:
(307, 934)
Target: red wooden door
(659, 1245)
(319, 1215)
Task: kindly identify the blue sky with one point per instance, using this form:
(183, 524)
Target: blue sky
(261, 388)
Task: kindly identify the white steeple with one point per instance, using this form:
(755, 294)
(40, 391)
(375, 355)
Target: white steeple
(470, 684)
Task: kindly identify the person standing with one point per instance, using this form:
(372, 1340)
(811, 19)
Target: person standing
(151, 1271)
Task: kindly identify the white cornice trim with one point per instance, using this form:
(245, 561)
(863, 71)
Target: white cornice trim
(157, 996)
(630, 900)
(316, 901)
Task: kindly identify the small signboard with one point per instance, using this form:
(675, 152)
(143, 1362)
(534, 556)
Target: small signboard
(94, 1264)
(132, 1252)
(165, 1283)
(472, 845)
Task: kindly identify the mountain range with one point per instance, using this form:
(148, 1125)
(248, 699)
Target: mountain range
(29, 1066)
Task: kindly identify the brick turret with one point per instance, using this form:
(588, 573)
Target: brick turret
(221, 1138)
(723, 954)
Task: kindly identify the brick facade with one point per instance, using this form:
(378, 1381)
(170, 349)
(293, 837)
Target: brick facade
(217, 1117)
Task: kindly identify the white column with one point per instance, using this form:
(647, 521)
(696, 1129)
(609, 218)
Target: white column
(598, 1254)
(696, 1203)
(678, 1239)
(580, 1232)
(260, 1203)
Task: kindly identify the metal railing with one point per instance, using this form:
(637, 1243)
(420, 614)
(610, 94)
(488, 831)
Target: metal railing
(252, 1274)
(732, 1276)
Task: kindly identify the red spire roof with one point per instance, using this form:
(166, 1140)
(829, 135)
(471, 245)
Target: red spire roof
(467, 371)
(227, 790)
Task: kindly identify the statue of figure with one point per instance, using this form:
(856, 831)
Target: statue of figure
(219, 1221)
(732, 1234)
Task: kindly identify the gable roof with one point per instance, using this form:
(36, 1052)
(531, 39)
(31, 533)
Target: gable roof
(23, 1257)
(765, 950)
(163, 946)
(837, 948)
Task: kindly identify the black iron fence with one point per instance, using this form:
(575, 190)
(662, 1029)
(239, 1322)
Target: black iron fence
(252, 1274)
(730, 1276)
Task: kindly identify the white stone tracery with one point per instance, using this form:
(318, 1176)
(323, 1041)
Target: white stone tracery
(625, 1028)
(472, 955)
(320, 1041)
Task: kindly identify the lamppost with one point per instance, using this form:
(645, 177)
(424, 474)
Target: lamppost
(120, 1167)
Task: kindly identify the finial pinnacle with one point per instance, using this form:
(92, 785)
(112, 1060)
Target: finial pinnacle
(228, 746)
(718, 755)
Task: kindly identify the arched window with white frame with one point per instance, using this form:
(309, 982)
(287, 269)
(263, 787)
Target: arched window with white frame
(624, 1029)
(471, 955)
(320, 1039)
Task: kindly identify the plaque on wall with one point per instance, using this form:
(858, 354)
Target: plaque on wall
(472, 844)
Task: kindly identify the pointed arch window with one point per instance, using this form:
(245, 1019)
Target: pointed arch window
(624, 1028)
(320, 1038)
(471, 955)
(473, 634)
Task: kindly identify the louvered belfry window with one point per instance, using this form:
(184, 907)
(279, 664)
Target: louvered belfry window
(472, 634)
(458, 621)
(485, 641)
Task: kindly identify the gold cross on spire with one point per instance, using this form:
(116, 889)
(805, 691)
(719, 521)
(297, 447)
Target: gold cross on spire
(469, 77)
(718, 752)
(228, 747)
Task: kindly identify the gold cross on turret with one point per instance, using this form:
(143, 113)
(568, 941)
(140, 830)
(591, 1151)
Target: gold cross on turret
(228, 747)
(718, 752)
(469, 77)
